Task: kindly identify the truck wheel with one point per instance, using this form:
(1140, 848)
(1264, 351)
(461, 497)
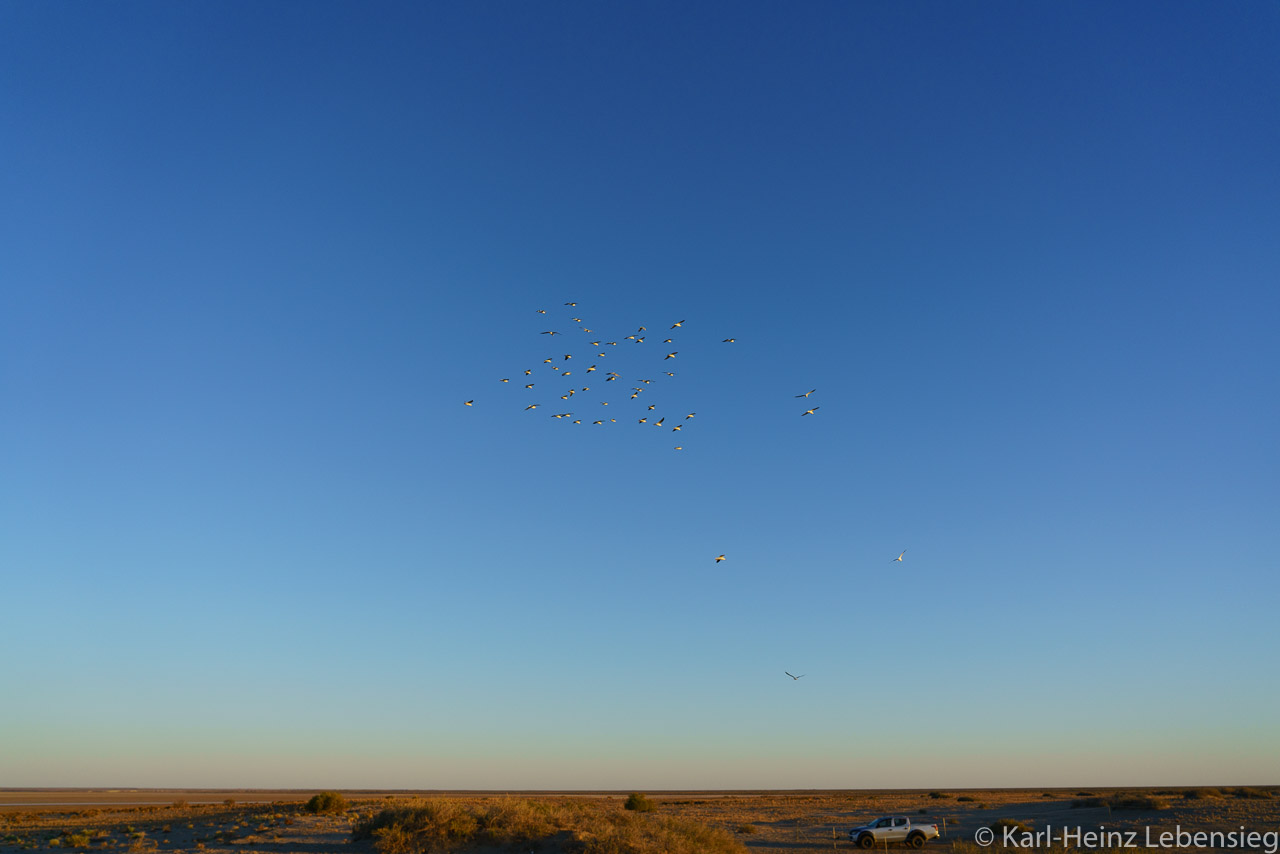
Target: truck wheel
(866, 840)
(916, 840)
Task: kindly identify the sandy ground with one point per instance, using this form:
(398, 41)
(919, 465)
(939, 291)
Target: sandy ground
(153, 820)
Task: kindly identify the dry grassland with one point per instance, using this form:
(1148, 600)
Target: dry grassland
(589, 823)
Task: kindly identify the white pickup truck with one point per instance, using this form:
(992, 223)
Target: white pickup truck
(892, 828)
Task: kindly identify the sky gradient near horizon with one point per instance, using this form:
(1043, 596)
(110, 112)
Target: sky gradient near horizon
(256, 256)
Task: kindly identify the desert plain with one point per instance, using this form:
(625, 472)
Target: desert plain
(224, 821)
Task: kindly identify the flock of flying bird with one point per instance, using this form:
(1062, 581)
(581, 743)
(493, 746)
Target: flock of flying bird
(599, 351)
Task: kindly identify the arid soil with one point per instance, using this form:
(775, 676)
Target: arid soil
(223, 822)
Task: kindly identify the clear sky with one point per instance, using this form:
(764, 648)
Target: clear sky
(254, 257)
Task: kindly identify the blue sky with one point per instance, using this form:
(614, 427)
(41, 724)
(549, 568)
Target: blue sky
(256, 257)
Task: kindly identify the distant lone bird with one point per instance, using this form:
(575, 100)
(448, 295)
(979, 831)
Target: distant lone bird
(675, 428)
(669, 356)
(728, 340)
(530, 385)
(507, 380)
(670, 373)
(468, 403)
(810, 411)
(597, 422)
(571, 303)
(642, 420)
(668, 341)
(653, 406)
(542, 311)
(898, 559)
(641, 329)
(690, 415)
(801, 676)
(674, 325)
(526, 373)
(720, 558)
(531, 406)
(566, 373)
(807, 393)
(567, 356)
(549, 332)
(679, 447)
(576, 319)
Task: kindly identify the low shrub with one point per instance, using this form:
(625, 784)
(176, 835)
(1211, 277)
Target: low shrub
(967, 799)
(326, 802)
(1197, 794)
(1001, 823)
(1249, 792)
(639, 803)
(938, 795)
(1122, 801)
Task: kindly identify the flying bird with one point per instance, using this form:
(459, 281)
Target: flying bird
(597, 422)
(576, 319)
(506, 380)
(669, 356)
(658, 423)
(531, 406)
(526, 373)
(640, 340)
(670, 373)
(810, 411)
(641, 329)
(668, 341)
(679, 447)
(530, 385)
(675, 428)
(728, 340)
(720, 558)
(567, 356)
(468, 403)
(898, 559)
(642, 420)
(690, 415)
(807, 393)
(549, 332)
(571, 303)
(674, 325)
(653, 406)
(590, 369)
(544, 361)
(801, 676)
